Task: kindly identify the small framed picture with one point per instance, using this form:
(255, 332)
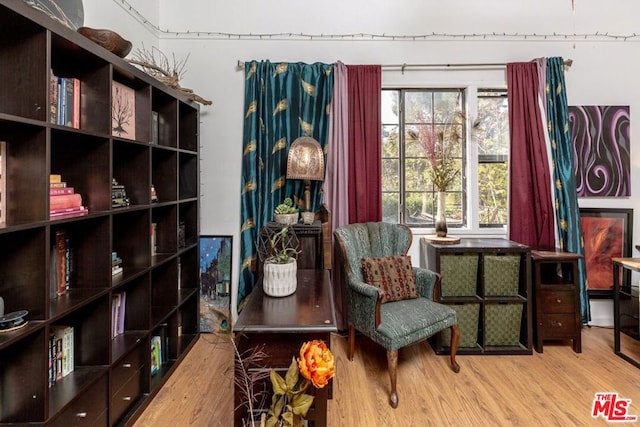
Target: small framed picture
(215, 283)
(123, 111)
(606, 234)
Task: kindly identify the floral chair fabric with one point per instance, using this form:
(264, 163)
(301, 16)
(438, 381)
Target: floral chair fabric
(396, 324)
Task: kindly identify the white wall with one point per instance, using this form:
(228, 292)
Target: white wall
(115, 15)
(604, 71)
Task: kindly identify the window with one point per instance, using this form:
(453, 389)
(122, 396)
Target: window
(491, 134)
(409, 118)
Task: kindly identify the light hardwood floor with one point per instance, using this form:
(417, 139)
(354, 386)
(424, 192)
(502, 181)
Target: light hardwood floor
(555, 388)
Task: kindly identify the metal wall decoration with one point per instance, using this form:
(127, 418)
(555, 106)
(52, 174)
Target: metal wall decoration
(215, 283)
(600, 136)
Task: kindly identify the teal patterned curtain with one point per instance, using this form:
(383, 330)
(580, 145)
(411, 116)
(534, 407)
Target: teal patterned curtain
(283, 101)
(566, 198)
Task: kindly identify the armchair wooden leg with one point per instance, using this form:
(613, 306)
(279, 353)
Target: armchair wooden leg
(455, 339)
(352, 342)
(392, 362)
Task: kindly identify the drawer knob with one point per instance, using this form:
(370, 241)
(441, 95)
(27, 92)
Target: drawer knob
(81, 415)
(126, 365)
(126, 398)
(558, 300)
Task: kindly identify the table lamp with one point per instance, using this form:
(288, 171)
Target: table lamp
(306, 162)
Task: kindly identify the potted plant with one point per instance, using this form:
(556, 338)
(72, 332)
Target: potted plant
(286, 213)
(280, 264)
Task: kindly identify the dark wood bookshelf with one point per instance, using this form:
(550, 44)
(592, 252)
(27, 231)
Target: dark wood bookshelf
(111, 382)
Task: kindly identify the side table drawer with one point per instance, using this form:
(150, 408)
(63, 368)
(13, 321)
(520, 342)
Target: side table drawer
(558, 302)
(559, 325)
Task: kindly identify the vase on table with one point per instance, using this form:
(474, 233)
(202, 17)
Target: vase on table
(441, 219)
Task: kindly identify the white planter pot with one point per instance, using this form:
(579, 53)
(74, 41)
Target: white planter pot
(287, 219)
(280, 280)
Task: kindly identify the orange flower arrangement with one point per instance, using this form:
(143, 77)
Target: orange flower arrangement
(290, 404)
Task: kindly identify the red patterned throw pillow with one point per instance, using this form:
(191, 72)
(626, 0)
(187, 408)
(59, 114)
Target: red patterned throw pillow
(393, 275)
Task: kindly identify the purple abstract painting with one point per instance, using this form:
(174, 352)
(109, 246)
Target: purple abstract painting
(600, 136)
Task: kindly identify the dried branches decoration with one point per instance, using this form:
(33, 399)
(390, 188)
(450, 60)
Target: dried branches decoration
(249, 370)
(156, 64)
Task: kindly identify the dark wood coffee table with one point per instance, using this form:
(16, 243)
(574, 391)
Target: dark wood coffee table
(279, 326)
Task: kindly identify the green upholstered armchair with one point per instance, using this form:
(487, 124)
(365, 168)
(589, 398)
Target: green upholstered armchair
(395, 324)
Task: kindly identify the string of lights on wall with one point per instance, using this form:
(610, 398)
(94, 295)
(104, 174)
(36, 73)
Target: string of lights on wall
(433, 36)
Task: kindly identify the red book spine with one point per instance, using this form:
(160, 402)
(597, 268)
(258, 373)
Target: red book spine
(76, 103)
(57, 191)
(65, 201)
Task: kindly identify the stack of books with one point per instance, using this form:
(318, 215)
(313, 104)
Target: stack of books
(119, 197)
(116, 264)
(60, 353)
(63, 200)
(65, 101)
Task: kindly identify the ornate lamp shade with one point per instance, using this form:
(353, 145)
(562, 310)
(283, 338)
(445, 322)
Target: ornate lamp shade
(306, 162)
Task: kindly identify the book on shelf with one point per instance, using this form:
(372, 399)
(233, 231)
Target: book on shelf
(57, 185)
(156, 351)
(57, 191)
(118, 309)
(154, 127)
(61, 349)
(80, 210)
(65, 201)
(55, 178)
(123, 111)
(3, 181)
(61, 265)
(154, 247)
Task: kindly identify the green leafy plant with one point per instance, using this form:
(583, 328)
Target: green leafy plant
(281, 247)
(286, 207)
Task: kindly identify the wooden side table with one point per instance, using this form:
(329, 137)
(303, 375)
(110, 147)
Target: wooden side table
(557, 298)
(279, 326)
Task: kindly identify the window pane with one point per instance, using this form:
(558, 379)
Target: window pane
(418, 106)
(390, 172)
(492, 186)
(492, 130)
(389, 105)
(390, 142)
(420, 208)
(390, 203)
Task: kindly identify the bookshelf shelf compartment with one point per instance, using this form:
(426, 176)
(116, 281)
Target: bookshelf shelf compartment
(160, 292)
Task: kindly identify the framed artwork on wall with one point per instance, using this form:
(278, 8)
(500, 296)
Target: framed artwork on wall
(606, 234)
(215, 283)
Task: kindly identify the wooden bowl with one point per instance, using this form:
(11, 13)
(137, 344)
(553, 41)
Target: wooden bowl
(108, 39)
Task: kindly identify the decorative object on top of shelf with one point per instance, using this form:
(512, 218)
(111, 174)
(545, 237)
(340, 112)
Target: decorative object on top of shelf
(441, 144)
(278, 249)
(215, 283)
(606, 234)
(108, 39)
(68, 12)
(159, 69)
(12, 321)
(285, 213)
(290, 404)
(306, 161)
(123, 111)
